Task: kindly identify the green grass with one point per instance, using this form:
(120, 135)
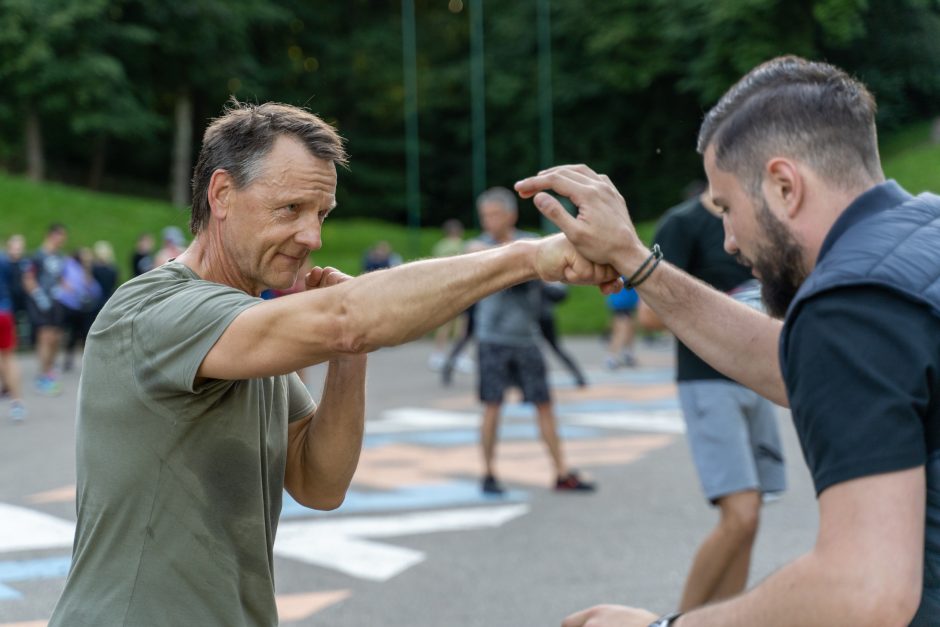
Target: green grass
(911, 158)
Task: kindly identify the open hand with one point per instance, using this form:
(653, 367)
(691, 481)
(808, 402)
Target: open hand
(324, 277)
(602, 230)
(610, 616)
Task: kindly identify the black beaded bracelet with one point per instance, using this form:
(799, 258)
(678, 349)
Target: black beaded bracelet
(639, 276)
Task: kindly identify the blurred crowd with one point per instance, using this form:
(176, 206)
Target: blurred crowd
(50, 296)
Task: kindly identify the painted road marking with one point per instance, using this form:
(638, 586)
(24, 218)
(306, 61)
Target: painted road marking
(28, 570)
(24, 529)
(652, 422)
(412, 497)
(291, 607)
(525, 462)
(343, 544)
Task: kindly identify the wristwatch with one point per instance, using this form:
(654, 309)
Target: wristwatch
(666, 621)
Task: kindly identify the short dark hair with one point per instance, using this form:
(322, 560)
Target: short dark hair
(794, 107)
(239, 139)
(56, 227)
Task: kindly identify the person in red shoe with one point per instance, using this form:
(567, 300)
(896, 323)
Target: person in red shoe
(507, 330)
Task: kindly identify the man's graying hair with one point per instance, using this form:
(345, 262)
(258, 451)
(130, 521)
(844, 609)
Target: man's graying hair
(501, 196)
(791, 107)
(240, 139)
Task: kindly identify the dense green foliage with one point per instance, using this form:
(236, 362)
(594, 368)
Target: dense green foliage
(97, 92)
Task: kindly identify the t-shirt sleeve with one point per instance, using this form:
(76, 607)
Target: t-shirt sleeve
(174, 329)
(673, 239)
(301, 403)
(857, 375)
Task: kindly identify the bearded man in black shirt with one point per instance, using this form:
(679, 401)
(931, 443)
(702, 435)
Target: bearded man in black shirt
(851, 263)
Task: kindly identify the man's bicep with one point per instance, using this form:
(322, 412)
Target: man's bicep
(272, 338)
(876, 523)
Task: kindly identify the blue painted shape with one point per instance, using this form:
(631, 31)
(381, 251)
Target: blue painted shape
(618, 405)
(450, 494)
(29, 570)
(460, 437)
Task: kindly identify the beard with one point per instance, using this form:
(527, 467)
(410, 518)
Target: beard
(778, 262)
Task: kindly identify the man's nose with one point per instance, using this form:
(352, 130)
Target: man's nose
(310, 234)
(731, 244)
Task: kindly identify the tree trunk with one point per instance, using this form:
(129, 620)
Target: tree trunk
(98, 157)
(180, 172)
(35, 160)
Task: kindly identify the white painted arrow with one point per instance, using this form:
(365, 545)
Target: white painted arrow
(24, 529)
(341, 544)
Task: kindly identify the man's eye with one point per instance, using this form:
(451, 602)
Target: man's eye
(291, 208)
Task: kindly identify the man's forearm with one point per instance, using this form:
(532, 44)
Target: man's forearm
(334, 436)
(393, 306)
(733, 338)
(805, 592)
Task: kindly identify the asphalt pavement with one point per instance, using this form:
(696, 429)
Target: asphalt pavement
(416, 543)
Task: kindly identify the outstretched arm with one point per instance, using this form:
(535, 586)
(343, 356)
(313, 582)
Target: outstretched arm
(732, 337)
(384, 308)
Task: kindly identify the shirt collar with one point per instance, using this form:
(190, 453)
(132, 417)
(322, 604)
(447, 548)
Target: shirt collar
(879, 198)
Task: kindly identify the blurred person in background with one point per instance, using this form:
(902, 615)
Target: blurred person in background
(80, 295)
(174, 243)
(43, 283)
(731, 430)
(104, 270)
(142, 257)
(620, 347)
(380, 257)
(451, 244)
(9, 369)
(552, 294)
(507, 331)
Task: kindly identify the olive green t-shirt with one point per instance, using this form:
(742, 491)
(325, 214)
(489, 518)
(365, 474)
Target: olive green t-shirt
(179, 482)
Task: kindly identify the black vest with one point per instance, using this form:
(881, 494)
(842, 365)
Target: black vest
(890, 239)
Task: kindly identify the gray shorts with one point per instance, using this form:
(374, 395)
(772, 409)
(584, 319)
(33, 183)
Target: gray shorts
(502, 366)
(734, 439)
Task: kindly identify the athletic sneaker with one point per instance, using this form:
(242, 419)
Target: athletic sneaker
(572, 482)
(436, 361)
(17, 411)
(492, 486)
(48, 385)
(466, 365)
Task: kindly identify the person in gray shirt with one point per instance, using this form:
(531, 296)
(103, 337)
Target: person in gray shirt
(508, 334)
(191, 420)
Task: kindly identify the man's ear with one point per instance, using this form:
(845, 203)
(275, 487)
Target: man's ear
(784, 185)
(221, 190)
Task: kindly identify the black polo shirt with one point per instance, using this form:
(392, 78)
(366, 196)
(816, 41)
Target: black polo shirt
(692, 239)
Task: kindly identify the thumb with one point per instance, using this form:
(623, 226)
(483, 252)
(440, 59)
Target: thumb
(549, 206)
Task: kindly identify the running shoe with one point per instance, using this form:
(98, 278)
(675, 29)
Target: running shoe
(572, 482)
